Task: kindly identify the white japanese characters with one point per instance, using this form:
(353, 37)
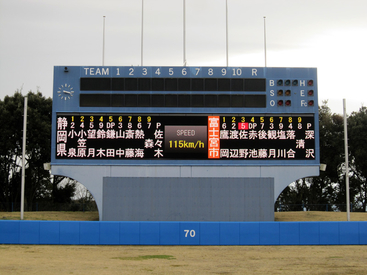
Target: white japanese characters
(73, 130)
(212, 137)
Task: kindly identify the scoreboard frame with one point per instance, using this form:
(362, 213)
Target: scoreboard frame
(262, 92)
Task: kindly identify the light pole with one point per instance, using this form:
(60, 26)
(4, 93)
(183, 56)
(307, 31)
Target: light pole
(346, 159)
(184, 33)
(104, 19)
(227, 33)
(265, 39)
(142, 32)
(23, 157)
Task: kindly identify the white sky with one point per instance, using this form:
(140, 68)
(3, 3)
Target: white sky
(36, 35)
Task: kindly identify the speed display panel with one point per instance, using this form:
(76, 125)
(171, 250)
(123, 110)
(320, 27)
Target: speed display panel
(93, 136)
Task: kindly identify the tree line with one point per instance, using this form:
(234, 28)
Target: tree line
(311, 193)
(40, 185)
(329, 190)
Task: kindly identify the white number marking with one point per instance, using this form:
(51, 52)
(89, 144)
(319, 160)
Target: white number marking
(190, 233)
(237, 72)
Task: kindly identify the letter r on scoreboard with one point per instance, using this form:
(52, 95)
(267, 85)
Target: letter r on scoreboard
(213, 137)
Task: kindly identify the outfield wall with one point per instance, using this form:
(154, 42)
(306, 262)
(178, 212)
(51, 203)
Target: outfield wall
(182, 233)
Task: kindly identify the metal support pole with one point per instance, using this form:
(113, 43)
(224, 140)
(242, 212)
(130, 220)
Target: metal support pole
(184, 33)
(227, 33)
(265, 39)
(23, 157)
(104, 19)
(346, 159)
(142, 32)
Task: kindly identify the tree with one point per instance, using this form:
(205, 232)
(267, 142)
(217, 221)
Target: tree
(63, 189)
(331, 132)
(329, 188)
(357, 138)
(316, 192)
(38, 146)
(11, 114)
(38, 150)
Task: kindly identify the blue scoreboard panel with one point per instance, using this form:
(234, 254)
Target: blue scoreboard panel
(185, 116)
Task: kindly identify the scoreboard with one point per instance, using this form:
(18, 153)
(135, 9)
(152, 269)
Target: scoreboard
(185, 116)
(185, 143)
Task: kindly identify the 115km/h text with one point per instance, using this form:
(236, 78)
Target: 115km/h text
(183, 144)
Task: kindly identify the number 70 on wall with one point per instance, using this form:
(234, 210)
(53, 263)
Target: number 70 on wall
(189, 233)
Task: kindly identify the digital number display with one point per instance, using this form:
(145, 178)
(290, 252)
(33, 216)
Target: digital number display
(205, 137)
(172, 84)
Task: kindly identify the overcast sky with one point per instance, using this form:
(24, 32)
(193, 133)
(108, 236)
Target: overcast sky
(331, 35)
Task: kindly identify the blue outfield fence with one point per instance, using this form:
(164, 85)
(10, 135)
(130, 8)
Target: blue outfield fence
(183, 233)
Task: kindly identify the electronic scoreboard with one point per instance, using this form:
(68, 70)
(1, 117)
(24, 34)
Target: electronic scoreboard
(185, 143)
(185, 116)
